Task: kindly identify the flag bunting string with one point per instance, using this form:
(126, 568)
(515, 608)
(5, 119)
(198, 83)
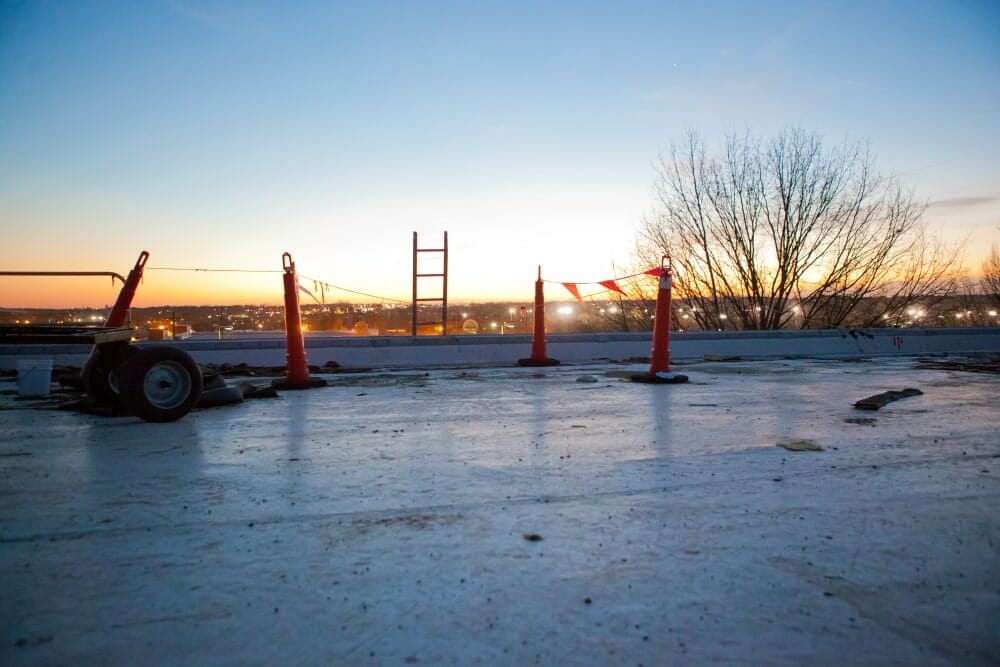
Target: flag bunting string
(323, 287)
(608, 285)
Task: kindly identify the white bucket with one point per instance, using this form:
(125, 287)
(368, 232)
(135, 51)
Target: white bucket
(34, 377)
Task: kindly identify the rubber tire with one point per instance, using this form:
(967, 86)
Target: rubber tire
(160, 384)
(101, 374)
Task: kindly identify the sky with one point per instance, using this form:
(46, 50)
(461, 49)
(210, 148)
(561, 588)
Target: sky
(219, 135)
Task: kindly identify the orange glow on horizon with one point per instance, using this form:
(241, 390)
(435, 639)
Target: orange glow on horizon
(191, 290)
(197, 288)
(62, 292)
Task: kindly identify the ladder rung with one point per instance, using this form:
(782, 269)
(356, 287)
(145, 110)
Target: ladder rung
(432, 249)
(441, 299)
(430, 275)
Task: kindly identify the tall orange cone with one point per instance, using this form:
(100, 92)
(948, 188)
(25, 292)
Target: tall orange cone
(297, 374)
(539, 357)
(659, 360)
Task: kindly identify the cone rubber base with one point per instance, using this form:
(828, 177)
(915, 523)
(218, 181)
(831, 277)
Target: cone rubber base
(660, 378)
(537, 362)
(310, 383)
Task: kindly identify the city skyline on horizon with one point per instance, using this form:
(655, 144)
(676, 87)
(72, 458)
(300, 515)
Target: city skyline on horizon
(219, 135)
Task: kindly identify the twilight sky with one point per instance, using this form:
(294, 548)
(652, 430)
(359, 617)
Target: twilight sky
(221, 134)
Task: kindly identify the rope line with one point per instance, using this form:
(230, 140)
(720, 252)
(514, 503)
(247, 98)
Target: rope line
(351, 291)
(598, 282)
(376, 296)
(584, 297)
(300, 275)
(182, 268)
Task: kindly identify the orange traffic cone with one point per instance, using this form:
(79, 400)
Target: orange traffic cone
(659, 366)
(538, 354)
(297, 374)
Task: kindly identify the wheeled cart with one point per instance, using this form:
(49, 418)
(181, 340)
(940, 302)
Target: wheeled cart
(157, 383)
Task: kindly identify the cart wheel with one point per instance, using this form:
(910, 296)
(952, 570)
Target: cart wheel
(101, 373)
(160, 384)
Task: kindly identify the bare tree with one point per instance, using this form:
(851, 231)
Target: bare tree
(788, 233)
(990, 283)
(621, 312)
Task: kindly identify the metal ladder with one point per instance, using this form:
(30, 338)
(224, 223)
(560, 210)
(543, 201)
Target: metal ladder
(443, 275)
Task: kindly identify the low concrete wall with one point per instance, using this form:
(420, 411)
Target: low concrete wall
(432, 351)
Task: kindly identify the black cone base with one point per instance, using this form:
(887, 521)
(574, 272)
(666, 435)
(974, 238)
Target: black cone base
(311, 383)
(537, 362)
(660, 378)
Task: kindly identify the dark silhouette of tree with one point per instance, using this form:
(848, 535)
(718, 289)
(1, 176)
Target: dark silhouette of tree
(990, 283)
(789, 233)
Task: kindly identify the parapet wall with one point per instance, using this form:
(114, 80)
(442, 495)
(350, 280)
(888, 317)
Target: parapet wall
(484, 350)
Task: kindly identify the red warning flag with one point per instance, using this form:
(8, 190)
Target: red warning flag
(656, 273)
(611, 285)
(573, 290)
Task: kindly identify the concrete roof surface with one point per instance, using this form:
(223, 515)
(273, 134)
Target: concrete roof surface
(515, 516)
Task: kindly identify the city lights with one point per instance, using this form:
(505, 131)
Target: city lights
(167, 322)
